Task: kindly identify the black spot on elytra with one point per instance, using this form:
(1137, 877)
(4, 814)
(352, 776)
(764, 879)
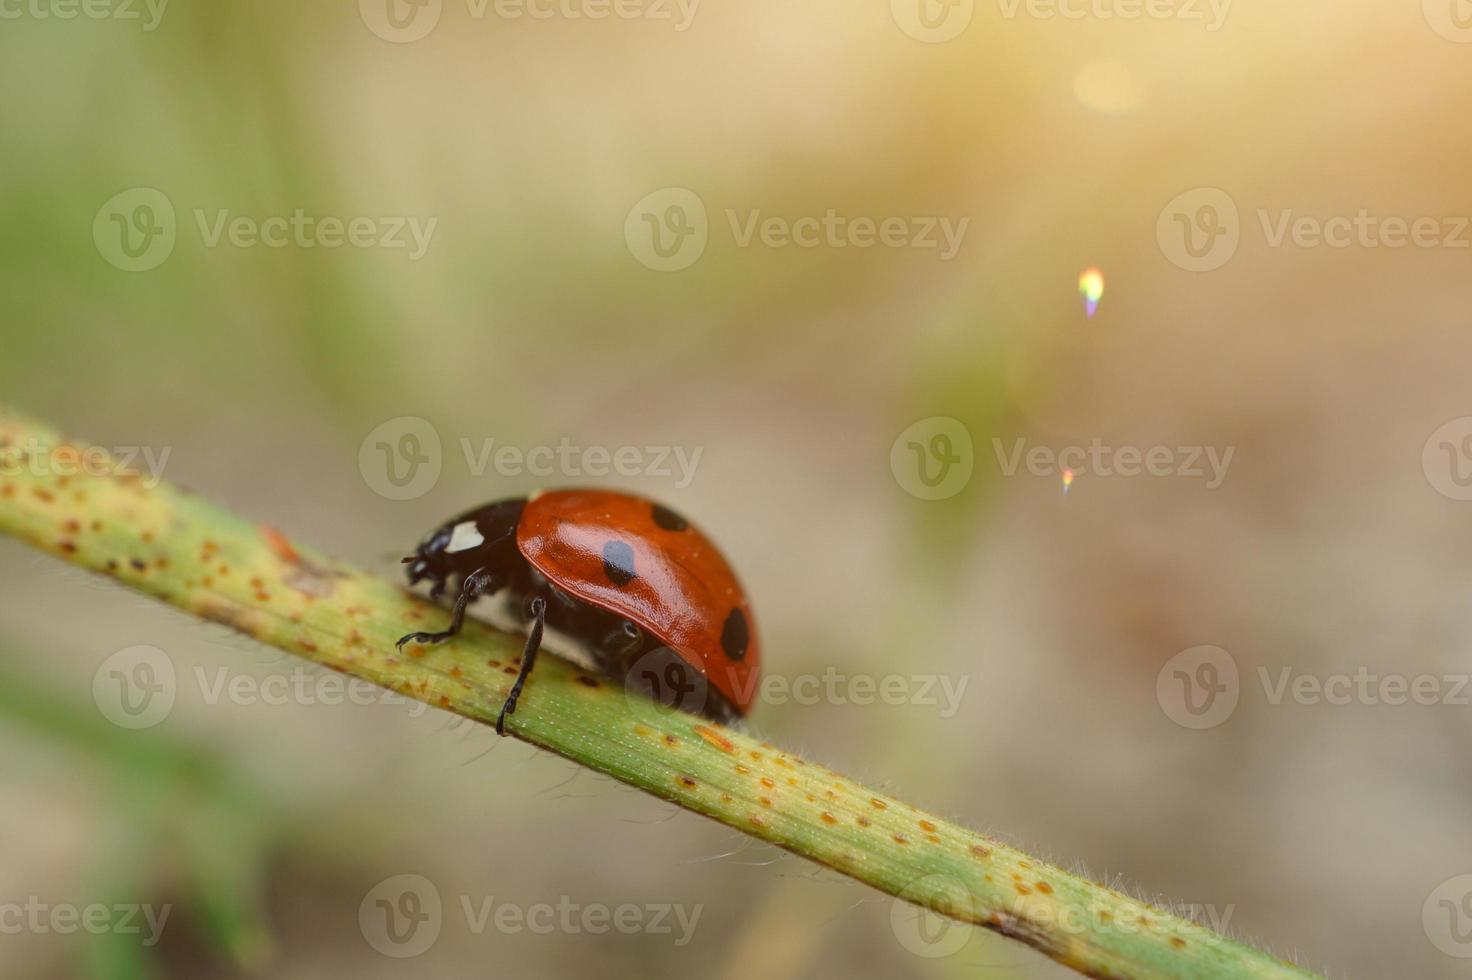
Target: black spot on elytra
(618, 563)
(735, 635)
(668, 519)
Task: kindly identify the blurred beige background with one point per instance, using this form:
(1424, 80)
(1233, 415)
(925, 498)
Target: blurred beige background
(1332, 545)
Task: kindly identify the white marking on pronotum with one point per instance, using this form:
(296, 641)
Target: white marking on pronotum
(464, 537)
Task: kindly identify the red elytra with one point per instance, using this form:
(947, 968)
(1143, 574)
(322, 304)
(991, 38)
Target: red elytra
(681, 590)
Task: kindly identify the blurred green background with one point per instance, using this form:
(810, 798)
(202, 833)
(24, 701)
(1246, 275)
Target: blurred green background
(533, 316)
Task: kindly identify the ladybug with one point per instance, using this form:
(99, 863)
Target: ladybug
(633, 583)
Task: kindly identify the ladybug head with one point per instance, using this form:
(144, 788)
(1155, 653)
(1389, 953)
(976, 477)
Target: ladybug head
(484, 538)
(430, 560)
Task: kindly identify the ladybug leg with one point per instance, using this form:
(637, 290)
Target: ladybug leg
(475, 584)
(538, 607)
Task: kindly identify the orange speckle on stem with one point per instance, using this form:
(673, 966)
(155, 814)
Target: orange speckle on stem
(827, 817)
(927, 826)
(686, 782)
(1045, 888)
(714, 737)
(878, 804)
(280, 545)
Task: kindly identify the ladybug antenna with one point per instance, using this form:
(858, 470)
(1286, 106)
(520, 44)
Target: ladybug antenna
(406, 560)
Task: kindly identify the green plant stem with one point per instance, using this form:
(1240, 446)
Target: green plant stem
(201, 558)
